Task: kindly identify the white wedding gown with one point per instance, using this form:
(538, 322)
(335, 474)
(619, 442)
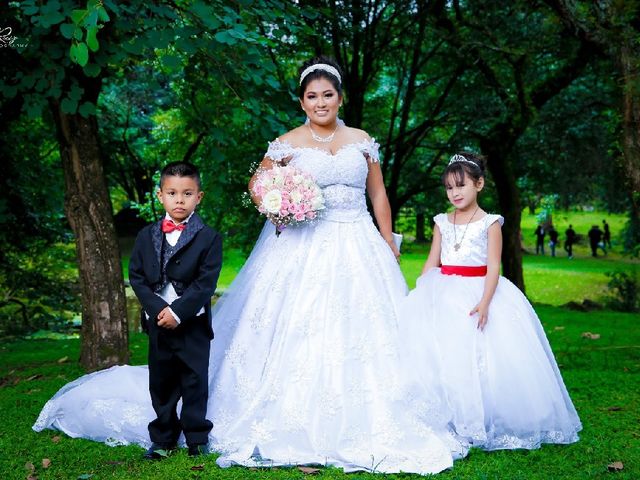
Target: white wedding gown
(307, 365)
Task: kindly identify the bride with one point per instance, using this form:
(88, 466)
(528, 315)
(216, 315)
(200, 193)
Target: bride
(307, 366)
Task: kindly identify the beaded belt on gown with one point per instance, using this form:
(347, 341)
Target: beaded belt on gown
(343, 203)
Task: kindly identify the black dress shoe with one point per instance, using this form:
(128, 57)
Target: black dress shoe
(158, 451)
(197, 450)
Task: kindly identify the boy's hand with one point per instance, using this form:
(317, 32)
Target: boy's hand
(166, 319)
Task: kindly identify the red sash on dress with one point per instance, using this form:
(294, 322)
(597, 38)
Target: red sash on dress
(465, 271)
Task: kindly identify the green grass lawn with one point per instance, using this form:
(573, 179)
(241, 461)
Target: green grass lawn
(603, 378)
(602, 375)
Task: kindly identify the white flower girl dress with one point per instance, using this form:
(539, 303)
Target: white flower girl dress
(503, 383)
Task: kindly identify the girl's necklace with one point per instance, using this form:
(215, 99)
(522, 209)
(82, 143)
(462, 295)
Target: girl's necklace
(456, 244)
(320, 139)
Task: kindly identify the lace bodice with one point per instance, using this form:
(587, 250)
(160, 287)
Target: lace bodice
(341, 176)
(473, 247)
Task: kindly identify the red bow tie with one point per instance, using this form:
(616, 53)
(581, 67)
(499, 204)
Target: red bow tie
(168, 226)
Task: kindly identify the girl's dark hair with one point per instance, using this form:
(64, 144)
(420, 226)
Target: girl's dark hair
(180, 169)
(474, 167)
(316, 74)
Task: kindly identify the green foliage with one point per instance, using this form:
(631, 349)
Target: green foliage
(624, 288)
(38, 289)
(571, 148)
(547, 207)
(38, 278)
(150, 209)
(177, 82)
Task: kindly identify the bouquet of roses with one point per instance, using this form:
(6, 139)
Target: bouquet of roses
(289, 196)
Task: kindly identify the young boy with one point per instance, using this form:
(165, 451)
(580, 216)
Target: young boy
(173, 271)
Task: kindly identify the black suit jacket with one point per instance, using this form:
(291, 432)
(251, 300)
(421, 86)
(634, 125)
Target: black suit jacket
(196, 263)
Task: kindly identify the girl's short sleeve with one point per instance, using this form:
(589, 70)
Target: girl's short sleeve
(278, 150)
(490, 219)
(440, 219)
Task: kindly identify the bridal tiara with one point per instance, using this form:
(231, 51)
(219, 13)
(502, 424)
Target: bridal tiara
(320, 66)
(460, 158)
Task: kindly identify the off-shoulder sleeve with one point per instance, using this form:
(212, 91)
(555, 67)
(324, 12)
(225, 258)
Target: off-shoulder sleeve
(278, 150)
(369, 148)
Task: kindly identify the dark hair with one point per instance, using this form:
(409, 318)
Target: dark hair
(473, 167)
(180, 169)
(316, 74)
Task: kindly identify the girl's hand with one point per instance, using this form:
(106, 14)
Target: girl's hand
(483, 314)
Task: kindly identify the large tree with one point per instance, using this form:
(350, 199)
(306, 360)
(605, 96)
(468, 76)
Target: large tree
(615, 28)
(523, 61)
(73, 50)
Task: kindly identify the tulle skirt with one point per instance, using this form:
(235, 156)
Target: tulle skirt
(503, 383)
(308, 364)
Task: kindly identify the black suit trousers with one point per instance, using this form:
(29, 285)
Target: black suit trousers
(178, 368)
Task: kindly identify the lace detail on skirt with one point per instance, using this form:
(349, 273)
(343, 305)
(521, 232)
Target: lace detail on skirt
(534, 440)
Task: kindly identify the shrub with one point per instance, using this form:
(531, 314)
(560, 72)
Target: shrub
(624, 290)
(38, 289)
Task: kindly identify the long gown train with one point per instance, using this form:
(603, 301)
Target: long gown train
(308, 365)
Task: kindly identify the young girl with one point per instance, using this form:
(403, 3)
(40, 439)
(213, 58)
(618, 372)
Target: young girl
(498, 371)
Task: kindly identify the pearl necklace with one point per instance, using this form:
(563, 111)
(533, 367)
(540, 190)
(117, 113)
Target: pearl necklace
(456, 244)
(320, 139)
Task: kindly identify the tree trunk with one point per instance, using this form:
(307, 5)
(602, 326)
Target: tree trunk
(420, 236)
(88, 209)
(628, 60)
(509, 200)
(631, 113)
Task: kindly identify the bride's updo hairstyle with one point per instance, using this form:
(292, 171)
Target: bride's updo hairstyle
(308, 73)
(462, 163)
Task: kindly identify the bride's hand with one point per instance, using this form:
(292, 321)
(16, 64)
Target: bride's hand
(284, 161)
(394, 249)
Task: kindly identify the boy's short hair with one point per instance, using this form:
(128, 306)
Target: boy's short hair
(180, 169)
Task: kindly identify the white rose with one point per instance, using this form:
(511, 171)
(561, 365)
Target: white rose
(317, 203)
(278, 181)
(272, 201)
(296, 197)
(298, 179)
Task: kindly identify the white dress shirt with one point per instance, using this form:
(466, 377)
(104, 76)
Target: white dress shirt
(168, 293)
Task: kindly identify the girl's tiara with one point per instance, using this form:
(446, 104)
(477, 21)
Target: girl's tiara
(460, 158)
(320, 66)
